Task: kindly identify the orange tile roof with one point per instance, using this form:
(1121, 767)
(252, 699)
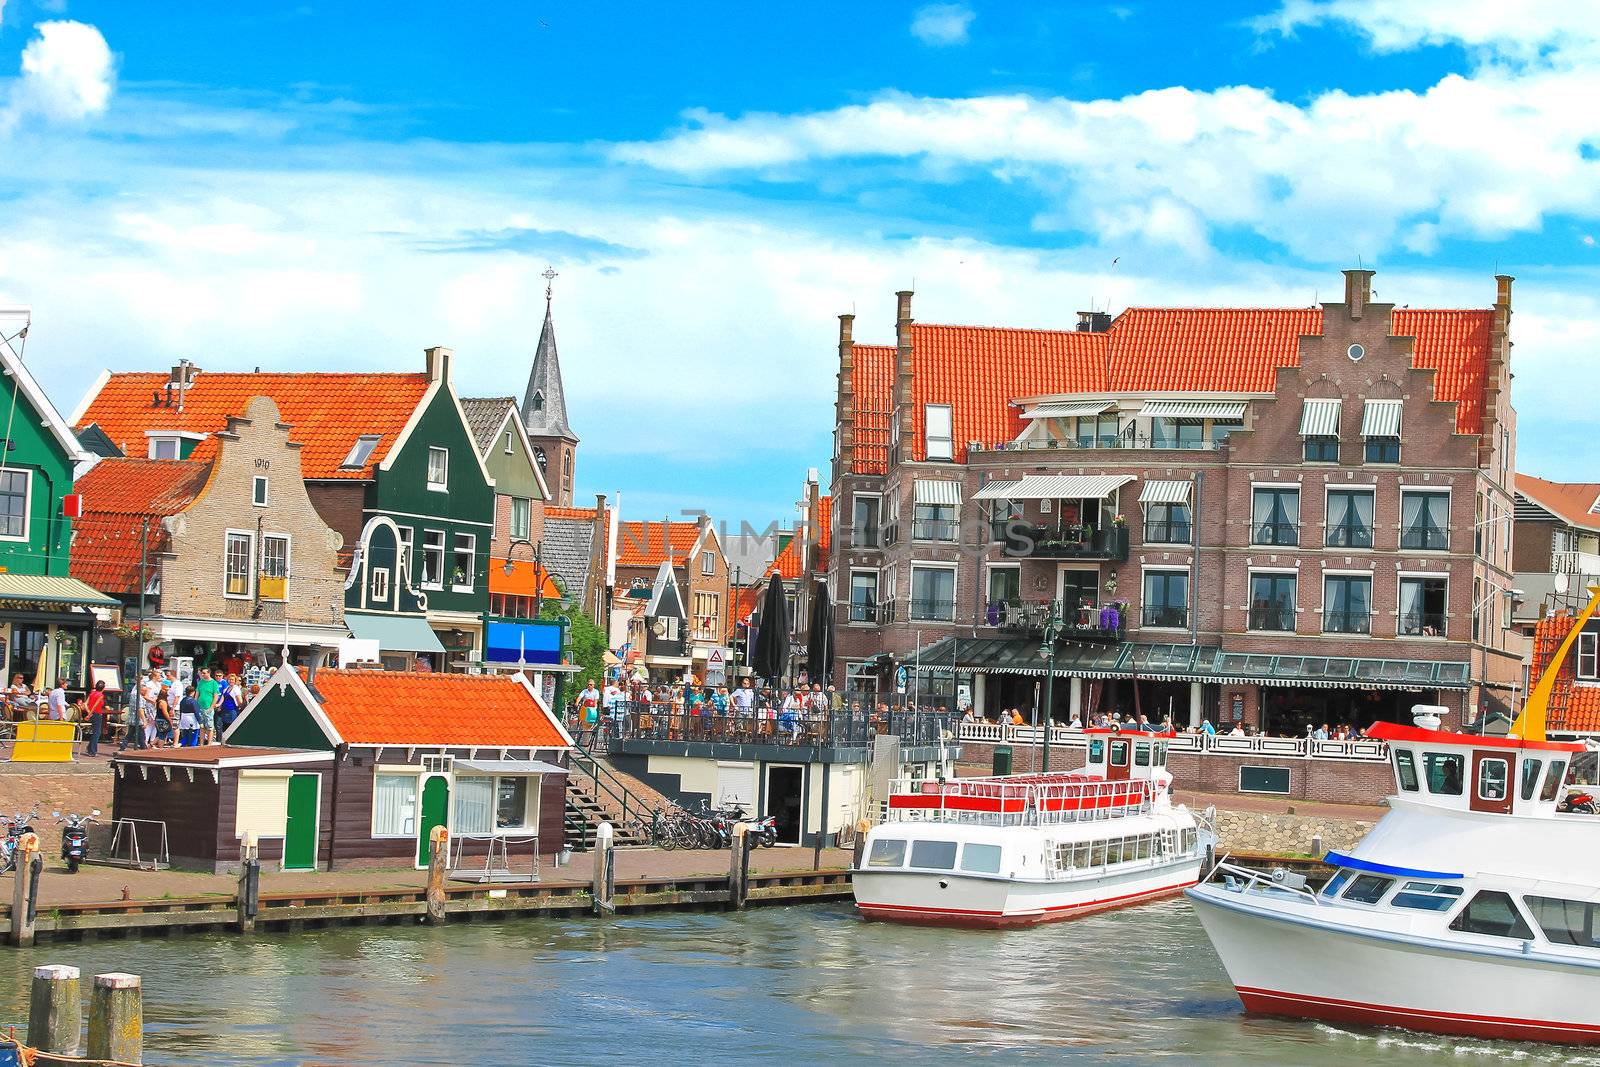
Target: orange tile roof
(645, 544)
(525, 579)
(1572, 707)
(1573, 502)
(746, 598)
(454, 710)
(111, 541)
(824, 530)
(326, 412)
(551, 511)
(979, 370)
(787, 563)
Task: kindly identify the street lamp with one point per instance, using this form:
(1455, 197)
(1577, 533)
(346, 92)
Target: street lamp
(1047, 652)
(538, 570)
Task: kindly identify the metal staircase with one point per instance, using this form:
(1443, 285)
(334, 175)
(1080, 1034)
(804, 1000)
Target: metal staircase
(596, 795)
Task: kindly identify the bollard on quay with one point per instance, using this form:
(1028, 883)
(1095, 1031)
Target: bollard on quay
(605, 871)
(116, 1018)
(438, 856)
(55, 1009)
(24, 902)
(739, 867)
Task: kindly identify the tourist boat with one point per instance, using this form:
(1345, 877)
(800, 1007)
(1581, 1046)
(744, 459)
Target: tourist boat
(1473, 906)
(1028, 848)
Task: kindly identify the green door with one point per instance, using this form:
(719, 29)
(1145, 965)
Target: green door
(435, 805)
(300, 835)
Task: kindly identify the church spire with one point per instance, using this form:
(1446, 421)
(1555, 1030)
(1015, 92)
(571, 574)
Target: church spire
(544, 404)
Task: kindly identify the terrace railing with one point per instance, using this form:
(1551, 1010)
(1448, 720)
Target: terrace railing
(771, 726)
(1357, 750)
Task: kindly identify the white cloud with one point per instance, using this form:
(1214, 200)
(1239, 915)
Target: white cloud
(1521, 31)
(942, 24)
(68, 74)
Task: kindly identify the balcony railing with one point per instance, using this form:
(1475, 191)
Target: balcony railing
(1168, 533)
(1282, 534)
(1121, 441)
(1575, 563)
(935, 530)
(933, 610)
(1106, 625)
(1066, 542)
(1349, 535)
(1425, 539)
(1275, 618)
(1421, 624)
(1347, 622)
(1165, 615)
(770, 725)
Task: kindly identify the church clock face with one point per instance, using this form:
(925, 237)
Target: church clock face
(539, 457)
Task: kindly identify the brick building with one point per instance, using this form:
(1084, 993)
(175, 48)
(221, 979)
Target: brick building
(1555, 546)
(693, 551)
(1574, 708)
(1276, 516)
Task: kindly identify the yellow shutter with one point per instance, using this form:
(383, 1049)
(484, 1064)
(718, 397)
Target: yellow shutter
(263, 803)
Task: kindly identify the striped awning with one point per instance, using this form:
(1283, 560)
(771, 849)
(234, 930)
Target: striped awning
(1320, 418)
(1165, 492)
(52, 589)
(1193, 409)
(1055, 487)
(1069, 409)
(1381, 418)
(938, 491)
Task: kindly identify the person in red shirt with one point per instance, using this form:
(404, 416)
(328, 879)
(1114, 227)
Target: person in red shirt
(97, 717)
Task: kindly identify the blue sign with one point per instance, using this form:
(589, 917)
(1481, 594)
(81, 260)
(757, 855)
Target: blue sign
(532, 644)
(901, 675)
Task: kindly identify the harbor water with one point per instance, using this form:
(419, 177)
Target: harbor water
(808, 985)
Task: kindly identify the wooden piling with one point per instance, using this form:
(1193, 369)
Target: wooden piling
(116, 1018)
(23, 907)
(55, 1009)
(439, 837)
(605, 876)
(739, 867)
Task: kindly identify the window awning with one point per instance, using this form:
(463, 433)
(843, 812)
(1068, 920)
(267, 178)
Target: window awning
(1193, 409)
(996, 491)
(1056, 487)
(508, 766)
(47, 589)
(394, 633)
(1165, 492)
(1381, 418)
(1069, 409)
(1320, 418)
(938, 491)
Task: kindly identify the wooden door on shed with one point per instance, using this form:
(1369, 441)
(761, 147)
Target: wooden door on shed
(302, 825)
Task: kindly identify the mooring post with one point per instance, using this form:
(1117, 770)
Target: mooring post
(605, 872)
(55, 1009)
(249, 898)
(739, 867)
(116, 1018)
(438, 858)
(24, 908)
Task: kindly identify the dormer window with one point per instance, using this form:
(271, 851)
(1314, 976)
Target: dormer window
(361, 451)
(164, 448)
(938, 437)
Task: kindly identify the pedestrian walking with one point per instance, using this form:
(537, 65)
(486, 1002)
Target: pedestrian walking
(96, 704)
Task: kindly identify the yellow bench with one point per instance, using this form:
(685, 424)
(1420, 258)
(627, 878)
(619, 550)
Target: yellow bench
(44, 741)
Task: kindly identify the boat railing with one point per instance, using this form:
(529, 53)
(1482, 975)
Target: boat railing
(1361, 750)
(1276, 882)
(1037, 801)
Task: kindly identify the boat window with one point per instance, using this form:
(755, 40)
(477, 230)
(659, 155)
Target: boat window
(1141, 754)
(1368, 888)
(937, 855)
(1119, 753)
(981, 859)
(1552, 779)
(1564, 922)
(1097, 750)
(1097, 853)
(1491, 912)
(1405, 770)
(1427, 896)
(1335, 883)
(1492, 779)
(1444, 773)
(1161, 753)
(1530, 777)
(887, 853)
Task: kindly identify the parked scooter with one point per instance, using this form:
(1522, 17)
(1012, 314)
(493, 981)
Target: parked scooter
(16, 826)
(1579, 804)
(75, 838)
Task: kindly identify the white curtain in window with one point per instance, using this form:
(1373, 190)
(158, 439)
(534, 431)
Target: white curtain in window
(394, 804)
(1410, 602)
(474, 804)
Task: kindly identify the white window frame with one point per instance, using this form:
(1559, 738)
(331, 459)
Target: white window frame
(1372, 605)
(27, 503)
(1591, 654)
(1370, 488)
(1399, 580)
(288, 551)
(1188, 594)
(1449, 504)
(946, 443)
(249, 537)
(361, 451)
(415, 774)
(158, 444)
(708, 563)
(442, 483)
(444, 558)
(472, 570)
(933, 565)
(407, 552)
(988, 573)
(509, 449)
(379, 589)
(519, 530)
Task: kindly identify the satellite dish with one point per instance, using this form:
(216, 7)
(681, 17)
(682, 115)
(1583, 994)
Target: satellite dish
(1563, 583)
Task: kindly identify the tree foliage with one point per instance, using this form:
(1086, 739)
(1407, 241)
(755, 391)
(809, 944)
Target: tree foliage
(586, 645)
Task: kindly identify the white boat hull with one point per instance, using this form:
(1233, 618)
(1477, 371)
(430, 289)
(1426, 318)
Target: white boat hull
(1286, 964)
(954, 899)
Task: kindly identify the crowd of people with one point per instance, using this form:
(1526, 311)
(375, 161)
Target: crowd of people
(165, 712)
(621, 705)
(1139, 722)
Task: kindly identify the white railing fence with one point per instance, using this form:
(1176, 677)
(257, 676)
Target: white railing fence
(1360, 750)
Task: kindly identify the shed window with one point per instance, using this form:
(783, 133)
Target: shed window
(263, 806)
(510, 803)
(474, 800)
(394, 805)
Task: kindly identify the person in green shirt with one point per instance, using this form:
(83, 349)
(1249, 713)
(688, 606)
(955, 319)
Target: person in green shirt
(205, 695)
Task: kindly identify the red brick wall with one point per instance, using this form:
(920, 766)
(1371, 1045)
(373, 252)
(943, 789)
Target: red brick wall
(340, 505)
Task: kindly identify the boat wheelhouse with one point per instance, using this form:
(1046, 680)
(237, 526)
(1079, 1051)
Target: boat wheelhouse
(1020, 849)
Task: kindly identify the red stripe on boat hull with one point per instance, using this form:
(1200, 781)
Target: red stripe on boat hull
(992, 920)
(1273, 1002)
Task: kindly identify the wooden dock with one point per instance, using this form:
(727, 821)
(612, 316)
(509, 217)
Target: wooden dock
(290, 912)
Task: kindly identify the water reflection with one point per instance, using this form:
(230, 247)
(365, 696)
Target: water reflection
(792, 984)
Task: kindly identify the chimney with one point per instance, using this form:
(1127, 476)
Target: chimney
(1357, 291)
(438, 362)
(1497, 380)
(1094, 321)
(903, 375)
(844, 412)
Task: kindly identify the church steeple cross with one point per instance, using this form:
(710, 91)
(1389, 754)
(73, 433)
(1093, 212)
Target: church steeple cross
(549, 277)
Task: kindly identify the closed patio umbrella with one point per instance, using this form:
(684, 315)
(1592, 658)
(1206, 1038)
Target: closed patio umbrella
(819, 639)
(771, 654)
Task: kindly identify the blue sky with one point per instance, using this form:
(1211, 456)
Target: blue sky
(337, 186)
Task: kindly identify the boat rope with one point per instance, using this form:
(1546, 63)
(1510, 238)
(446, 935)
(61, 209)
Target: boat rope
(29, 1056)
